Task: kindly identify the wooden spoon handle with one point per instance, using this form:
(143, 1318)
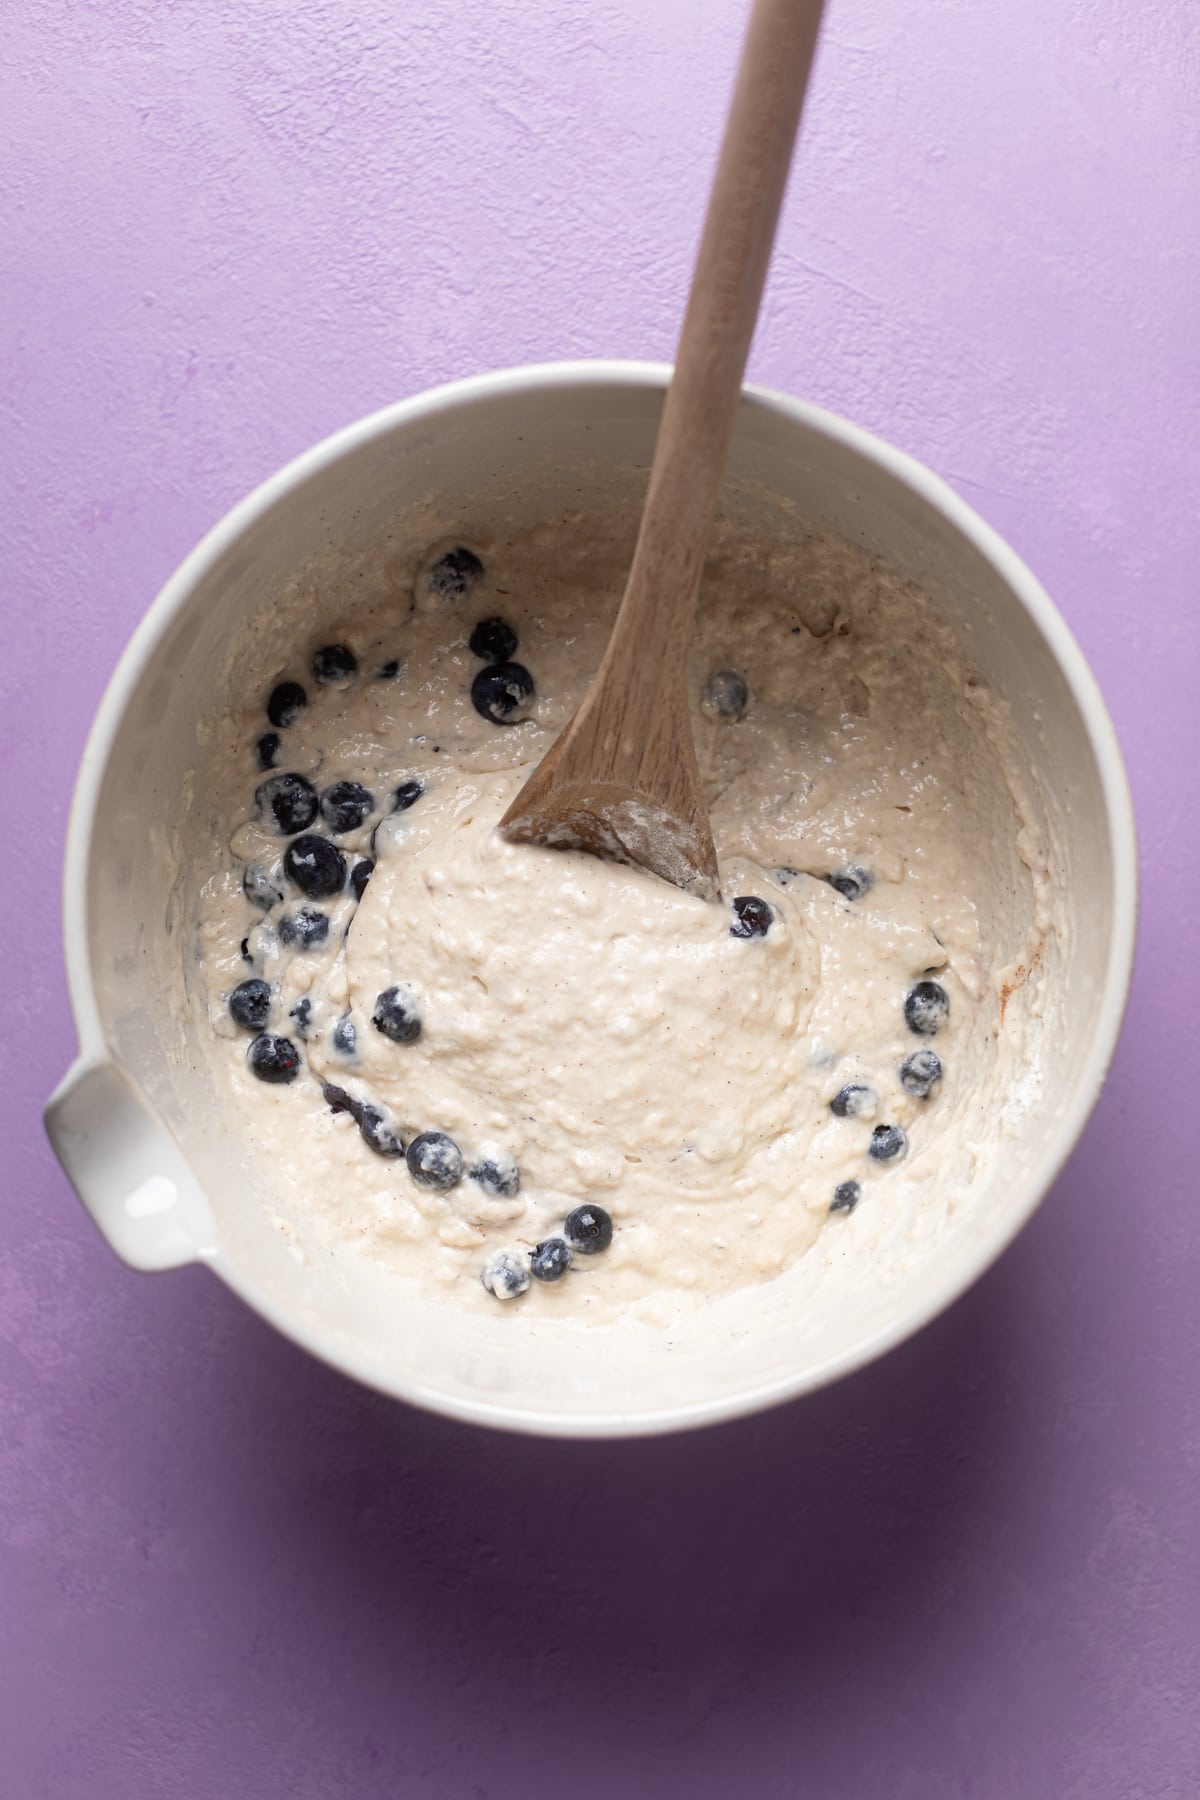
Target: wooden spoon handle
(621, 781)
(727, 285)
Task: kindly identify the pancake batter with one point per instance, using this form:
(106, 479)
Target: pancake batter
(536, 1077)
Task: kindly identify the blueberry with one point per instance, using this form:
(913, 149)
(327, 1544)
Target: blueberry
(724, 695)
(291, 801)
(406, 795)
(505, 1276)
(244, 947)
(345, 1037)
(346, 805)
(887, 1141)
(389, 670)
(852, 1101)
(551, 1259)
(920, 1073)
(250, 1004)
(260, 887)
(503, 693)
(316, 866)
(435, 1160)
(302, 1012)
(377, 1133)
(494, 640)
(339, 1101)
(334, 664)
(926, 1008)
(498, 1175)
(360, 874)
(453, 574)
(846, 1196)
(751, 917)
(588, 1229)
(851, 883)
(303, 930)
(372, 1121)
(397, 1015)
(274, 1059)
(267, 749)
(287, 702)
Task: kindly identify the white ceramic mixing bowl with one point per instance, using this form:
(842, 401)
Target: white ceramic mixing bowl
(138, 1124)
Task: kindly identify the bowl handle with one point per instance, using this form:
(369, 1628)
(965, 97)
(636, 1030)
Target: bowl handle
(127, 1169)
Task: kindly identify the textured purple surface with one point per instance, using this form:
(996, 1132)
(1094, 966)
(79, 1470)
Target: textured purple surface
(972, 1570)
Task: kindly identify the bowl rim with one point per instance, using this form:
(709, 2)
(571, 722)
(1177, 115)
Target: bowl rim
(938, 495)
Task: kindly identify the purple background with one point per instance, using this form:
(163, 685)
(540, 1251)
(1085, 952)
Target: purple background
(971, 1570)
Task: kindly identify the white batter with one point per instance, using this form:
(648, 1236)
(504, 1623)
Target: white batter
(606, 1032)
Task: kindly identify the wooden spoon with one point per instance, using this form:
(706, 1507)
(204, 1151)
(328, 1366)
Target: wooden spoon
(621, 780)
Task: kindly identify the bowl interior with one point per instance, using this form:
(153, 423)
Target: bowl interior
(531, 448)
